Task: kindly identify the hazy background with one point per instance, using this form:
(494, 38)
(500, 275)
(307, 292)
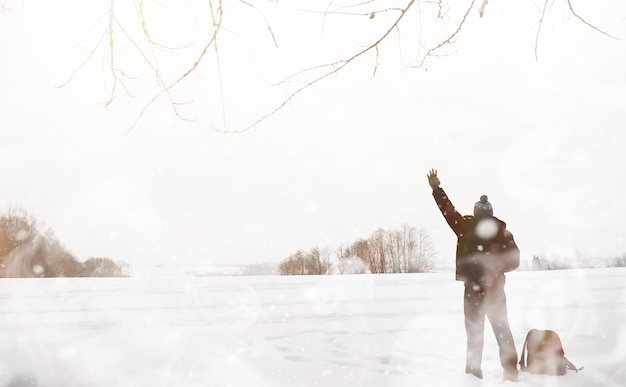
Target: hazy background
(544, 139)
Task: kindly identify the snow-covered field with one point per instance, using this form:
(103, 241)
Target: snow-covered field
(356, 330)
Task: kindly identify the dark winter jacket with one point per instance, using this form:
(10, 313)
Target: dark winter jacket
(485, 249)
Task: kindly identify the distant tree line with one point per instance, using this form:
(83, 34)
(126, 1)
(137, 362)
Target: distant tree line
(577, 262)
(28, 251)
(403, 250)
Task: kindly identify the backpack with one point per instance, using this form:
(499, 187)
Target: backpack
(545, 354)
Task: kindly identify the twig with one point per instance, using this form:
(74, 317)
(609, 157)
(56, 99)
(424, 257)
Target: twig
(543, 14)
(80, 66)
(571, 9)
(481, 10)
(267, 24)
(450, 39)
(333, 68)
(167, 88)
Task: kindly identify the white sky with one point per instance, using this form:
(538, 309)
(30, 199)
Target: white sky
(544, 139)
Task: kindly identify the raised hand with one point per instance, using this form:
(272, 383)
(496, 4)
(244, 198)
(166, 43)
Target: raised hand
(433, 180)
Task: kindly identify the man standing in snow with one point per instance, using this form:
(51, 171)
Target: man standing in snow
(485, 250)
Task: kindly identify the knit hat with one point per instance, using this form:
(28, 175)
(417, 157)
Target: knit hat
(483, 207)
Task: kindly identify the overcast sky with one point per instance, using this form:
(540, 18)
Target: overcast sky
(544, 139)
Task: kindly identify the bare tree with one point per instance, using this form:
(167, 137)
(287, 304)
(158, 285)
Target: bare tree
(423, 255)
(361, 250)
(405, 240)
(129, 41)
(17, 228)
(393, 246)
(104, 267)
(353, 259)
(314, 262)
(28, 250)
(409, 250)
(408, 246)
(378, 251)
(402, 250)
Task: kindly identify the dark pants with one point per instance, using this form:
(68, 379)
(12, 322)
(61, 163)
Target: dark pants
(481, 300)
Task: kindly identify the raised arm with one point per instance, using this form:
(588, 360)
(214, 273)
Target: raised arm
(451, 215)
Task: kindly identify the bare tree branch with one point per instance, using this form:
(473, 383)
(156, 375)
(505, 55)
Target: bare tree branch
(481, 10)
(216, 15)
(571, 9)
(439, 3)
(327, 70)
(157, 73)
(80, 66)
(267, 24)
(543, 15)
(148, 35)
(450, 39)
(574, 13)
(376, 61)
(340, 10)
(217, 21)
(148, 48)
(343, 10)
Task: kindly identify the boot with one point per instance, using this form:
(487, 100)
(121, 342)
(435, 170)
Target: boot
(473, 371)
(511, 375)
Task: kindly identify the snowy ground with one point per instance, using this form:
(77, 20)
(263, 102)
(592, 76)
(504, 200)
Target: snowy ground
(360, 330)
